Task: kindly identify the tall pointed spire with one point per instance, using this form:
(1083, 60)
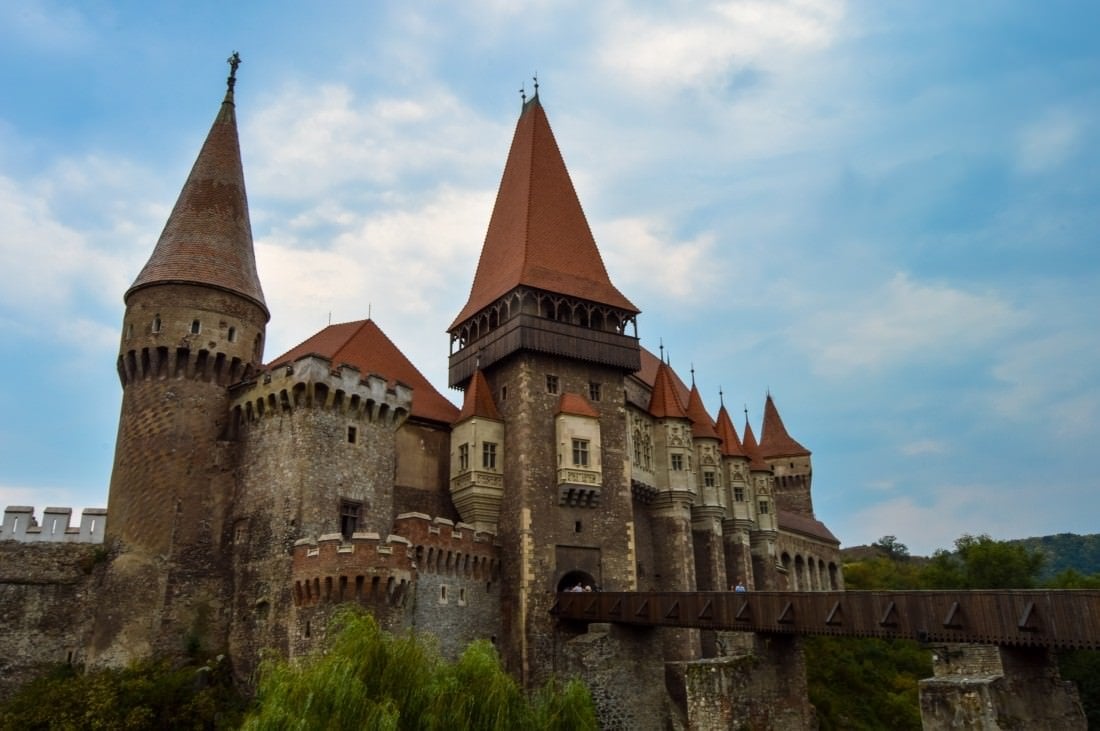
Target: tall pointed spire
(538, 235)
(731, 445)
(663, 401)
(478, 400)
(208, 237)
(702, 427)
(774, 439)
(751, 448)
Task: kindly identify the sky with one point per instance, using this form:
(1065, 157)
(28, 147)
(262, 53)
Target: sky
(887, 215)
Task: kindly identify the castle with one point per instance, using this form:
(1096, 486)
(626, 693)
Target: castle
(248, 499)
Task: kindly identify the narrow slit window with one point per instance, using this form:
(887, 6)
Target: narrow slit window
(352, 434)
(196, 327)
(232, 334)
(156, 324)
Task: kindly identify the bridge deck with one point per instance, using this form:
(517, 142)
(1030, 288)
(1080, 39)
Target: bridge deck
(1058, 619)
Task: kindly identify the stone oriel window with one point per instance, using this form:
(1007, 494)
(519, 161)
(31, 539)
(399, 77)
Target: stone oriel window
(677, 462)
(350, 513)
(463, 457)
(739, 494)
(551, 383)
(762, 507)
(708, 478)
(580, 452)
(489, 455)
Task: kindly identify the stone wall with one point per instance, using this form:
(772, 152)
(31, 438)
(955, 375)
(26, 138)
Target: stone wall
(20, 524)
(47, 595)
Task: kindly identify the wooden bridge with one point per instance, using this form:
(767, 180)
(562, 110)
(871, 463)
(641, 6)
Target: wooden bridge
(1060, 619)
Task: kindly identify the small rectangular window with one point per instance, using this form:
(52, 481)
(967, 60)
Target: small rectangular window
(503, 392)
(463, 457)
(551, 383)
(739, 494)
(580, 452)
(594, 391)
(195, 327)
(708, 478)
(489, 455)
(350, 512)
(677, 462)
(763, 507)
(352, 435)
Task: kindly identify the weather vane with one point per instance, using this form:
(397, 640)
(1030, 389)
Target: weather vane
(523, 93)
(234, 61)
(535, 78)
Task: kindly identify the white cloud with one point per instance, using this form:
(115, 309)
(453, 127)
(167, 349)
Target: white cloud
(643, 259)
(1049, 141)
(923, 447)
(900, 321)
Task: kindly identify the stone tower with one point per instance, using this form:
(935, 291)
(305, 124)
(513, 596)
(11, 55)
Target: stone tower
(549, 332)
(194, 324)
(791, 462)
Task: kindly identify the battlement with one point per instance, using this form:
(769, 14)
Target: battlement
(441, 546)
(315, 382)
(21, 525)
(164, 363)
(365, 569)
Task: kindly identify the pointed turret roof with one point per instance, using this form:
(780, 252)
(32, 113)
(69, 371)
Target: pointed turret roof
(664, 402)
(753, 450)
(478, 400)
(208, 237)
(731, 445)
(362, 344)
(702, 426)
(774, 439)
(538, 235)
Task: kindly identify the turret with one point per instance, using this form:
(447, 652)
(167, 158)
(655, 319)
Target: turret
(194, 324)
(709, 508)
(790, 462)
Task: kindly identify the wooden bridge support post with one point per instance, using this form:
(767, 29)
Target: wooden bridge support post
(991, 687)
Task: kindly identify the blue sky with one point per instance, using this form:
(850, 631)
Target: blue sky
(887, 214)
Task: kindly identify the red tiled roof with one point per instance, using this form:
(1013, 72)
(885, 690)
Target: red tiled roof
(664, 402)
(753, 450)
(702, 426)
(478, 400)
(731, 445)
(574, 403)
(208, 237)
(774, 439)
(362, 344)
(647, 374)
(806, 526)
(538, 235)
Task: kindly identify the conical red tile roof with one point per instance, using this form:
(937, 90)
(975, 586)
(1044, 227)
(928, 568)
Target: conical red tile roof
(478, 400)
(731, 445)
(753, 450)
(664, 402)
(702, 426)
(774, 439)
(575, 403)
(208, 237)
(362, 344)
(538, 235)
(647, 374)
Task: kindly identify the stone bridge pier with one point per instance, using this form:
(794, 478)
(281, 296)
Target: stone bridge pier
(991, 687)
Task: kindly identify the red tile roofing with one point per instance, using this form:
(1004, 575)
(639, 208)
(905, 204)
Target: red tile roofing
(208, 237)
(478, 400)
(538, 235)
(805, 525)
(731, 445)
(362, 344)
(574, 403)
(753, 450)
(774, 439)
(664, 402)
(647, 374)
(702, 426)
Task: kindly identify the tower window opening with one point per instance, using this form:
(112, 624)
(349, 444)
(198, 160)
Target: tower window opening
(352, 434)
(551, 383)
(577, 527)
(196, 327)
(594, 391)
(232, 334)
(763, 507)
(350, 513)
(580, 452)
(708, 478)
(677, 462)
(739, 494)
(443, 593)
(463, 457)
(489, 455)
(156, 324)
(129, 331)
(503, 392)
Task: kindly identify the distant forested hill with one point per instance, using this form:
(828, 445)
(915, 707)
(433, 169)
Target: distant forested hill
(1066, 551)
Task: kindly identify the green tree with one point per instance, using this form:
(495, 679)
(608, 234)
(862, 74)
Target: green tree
(979, 562)
(367, 678)
(892, 548)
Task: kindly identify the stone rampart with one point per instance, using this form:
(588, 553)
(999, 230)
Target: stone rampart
(20, 524)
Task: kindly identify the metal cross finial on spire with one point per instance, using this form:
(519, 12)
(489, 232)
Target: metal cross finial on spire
(535, 78)
(721, 398)
(234, 61)
(523, 93)
(746, 413)
(693, 374)
(661, 343)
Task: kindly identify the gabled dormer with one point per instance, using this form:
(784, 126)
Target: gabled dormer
(707, 448)
(673, 445)
(541, 284)
(580, 451)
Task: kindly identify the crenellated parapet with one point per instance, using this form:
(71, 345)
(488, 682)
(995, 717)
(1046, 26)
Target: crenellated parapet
(313, 382)
(367, 569)
(181, 363)
(21, 525)
(441, 546)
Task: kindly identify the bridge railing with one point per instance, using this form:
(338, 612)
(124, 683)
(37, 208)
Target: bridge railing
(1060, 618)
